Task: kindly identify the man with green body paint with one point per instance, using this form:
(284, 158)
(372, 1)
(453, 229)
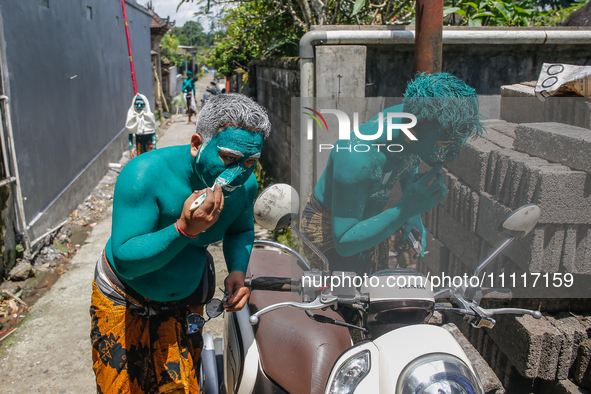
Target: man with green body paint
(188, 89)
(156, 256)
(347, 215)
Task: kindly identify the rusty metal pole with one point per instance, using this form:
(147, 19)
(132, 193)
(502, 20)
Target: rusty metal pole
(428, 36)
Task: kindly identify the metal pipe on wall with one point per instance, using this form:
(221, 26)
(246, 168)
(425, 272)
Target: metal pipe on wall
(307, 100)
(307, 91)
(449, 37)
(19, 194)
(428, 36)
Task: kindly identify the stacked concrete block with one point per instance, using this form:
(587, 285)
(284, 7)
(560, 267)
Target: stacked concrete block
(495, 175)
(481, 194)
(582, 367)
(556, 142)
(472, 166)
(561, 387)
(514, 179)
(552, 348)
(502, 126)
(533, 346)
(520, 105)
(573, 334)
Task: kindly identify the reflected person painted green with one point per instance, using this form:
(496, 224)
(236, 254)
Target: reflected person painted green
(355, 186)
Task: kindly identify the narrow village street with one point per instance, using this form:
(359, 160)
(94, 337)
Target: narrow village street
(50, 352)
(437, 158)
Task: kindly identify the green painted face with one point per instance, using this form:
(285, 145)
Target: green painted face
(139, 104)
(230, 148)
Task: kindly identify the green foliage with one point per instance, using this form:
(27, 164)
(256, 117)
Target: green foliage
(557, 15)
(357, 7)
(60, 247)
(273, 28)
(19, 249)
(510, 13)
(495, 12)
(191, 34)
(283, 236)
(254, 30)
(170, 45)
(158, 115)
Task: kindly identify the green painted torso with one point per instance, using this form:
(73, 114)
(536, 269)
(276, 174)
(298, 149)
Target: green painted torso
(145, 249)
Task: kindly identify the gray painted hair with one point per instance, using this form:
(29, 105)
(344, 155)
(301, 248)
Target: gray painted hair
(231, 109)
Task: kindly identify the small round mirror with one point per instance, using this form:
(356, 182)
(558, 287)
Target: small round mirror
(276, 207)
(521, 221)
(214, 308)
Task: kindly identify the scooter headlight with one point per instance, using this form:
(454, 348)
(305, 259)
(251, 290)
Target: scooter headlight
(438, 374)
(351, 373)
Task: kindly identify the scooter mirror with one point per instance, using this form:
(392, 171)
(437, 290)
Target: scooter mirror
(276, 207)
(214, 308)
(521, 221)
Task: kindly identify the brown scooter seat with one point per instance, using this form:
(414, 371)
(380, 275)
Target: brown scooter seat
(296, 352)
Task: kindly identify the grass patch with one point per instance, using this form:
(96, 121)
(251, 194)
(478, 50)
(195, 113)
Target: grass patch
(60, 247)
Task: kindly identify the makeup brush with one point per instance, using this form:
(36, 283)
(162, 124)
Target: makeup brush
(224, 179)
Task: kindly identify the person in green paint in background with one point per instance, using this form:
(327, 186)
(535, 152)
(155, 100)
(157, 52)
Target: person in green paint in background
(188, 89)
(347, 216)
(148, 281)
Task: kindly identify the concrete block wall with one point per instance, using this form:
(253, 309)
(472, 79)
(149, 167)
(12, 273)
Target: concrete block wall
(490, 180)
(273, 83)
(536, 355)
(510, 166)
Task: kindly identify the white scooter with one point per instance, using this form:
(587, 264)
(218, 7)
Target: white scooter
(276, 344)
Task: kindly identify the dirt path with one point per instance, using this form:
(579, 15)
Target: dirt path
(50, 352)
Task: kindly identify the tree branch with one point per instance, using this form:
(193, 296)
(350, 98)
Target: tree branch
(397, 9)
(336, 12)
(378, 5)
(375, 16)
(302, 24)
(318, 7)
(306, 12)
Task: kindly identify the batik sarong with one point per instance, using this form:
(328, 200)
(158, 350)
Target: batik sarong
(140, 353)
(317, 227)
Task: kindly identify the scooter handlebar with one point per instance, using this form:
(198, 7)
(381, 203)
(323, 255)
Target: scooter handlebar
(270, 283)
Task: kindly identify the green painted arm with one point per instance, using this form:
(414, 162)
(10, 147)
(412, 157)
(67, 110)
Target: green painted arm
(138, 245)
(351, 233)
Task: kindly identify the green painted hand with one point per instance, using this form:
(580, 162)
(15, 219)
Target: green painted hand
(416, 222)
(418, 198)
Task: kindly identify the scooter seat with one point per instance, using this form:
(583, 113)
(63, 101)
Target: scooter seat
(296, 352)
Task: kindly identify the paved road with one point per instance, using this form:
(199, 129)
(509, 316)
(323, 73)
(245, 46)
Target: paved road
(51, 352)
